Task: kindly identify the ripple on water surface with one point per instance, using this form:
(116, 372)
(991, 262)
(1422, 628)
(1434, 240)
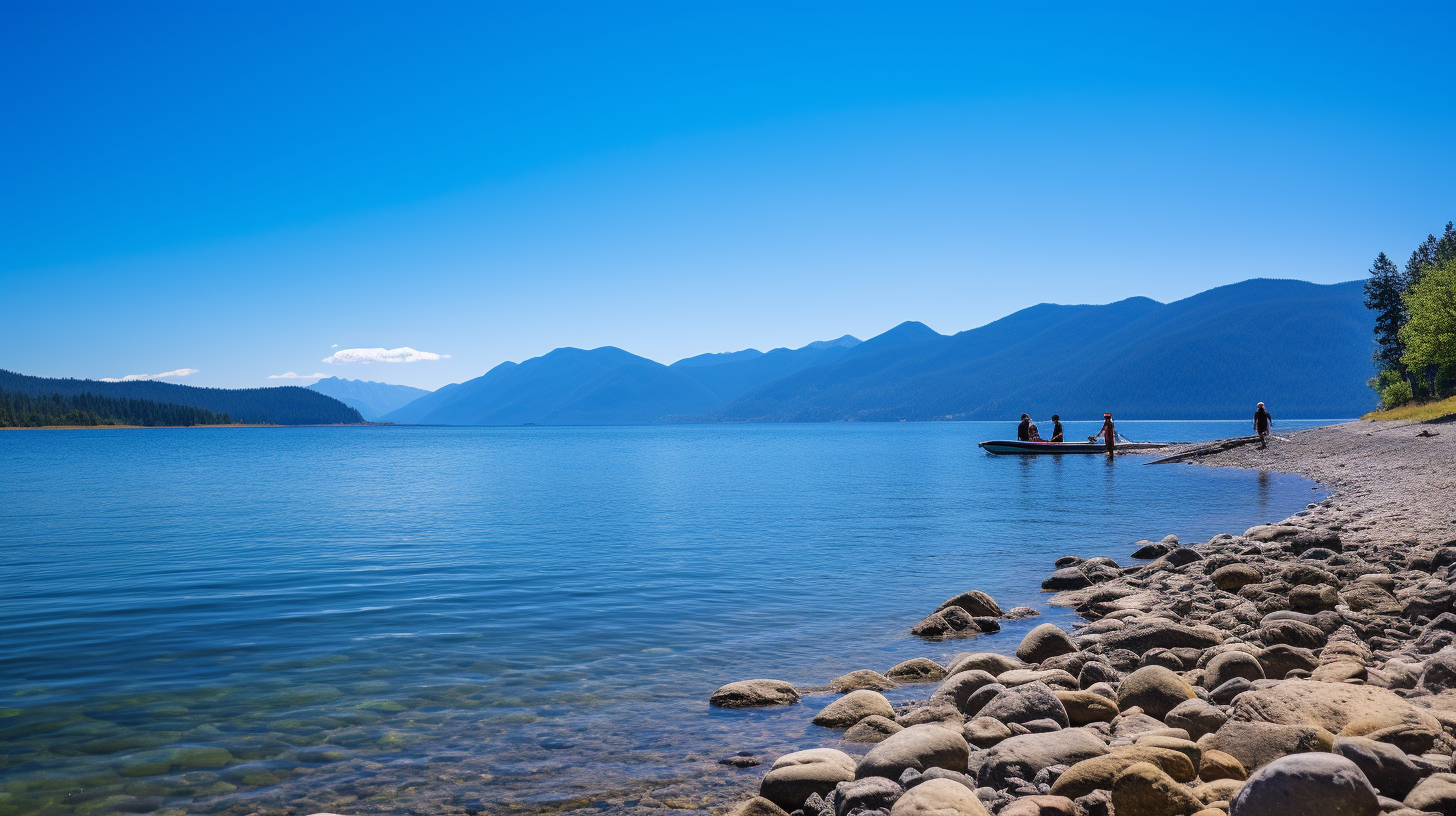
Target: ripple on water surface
(242, 620)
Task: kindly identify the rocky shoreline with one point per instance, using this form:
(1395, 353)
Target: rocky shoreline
(1305, 668)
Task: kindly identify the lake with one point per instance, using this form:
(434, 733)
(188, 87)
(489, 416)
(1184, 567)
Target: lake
(459, 620)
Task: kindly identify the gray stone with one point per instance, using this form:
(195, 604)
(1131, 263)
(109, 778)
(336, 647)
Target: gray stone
(1225, 667)
(1255, 744)
(976, 602)
(853, 707)
(919, 747)
(1022, 756)
(1045, 641)
(1306, 785)
(870, 793)
(958, 688)
(1387, 767)
(916, 670)
(1023, 704)
(872, 729)
(754, 694)
(1197, 717)
(1154, 689)
(795, 776)
(862, 679)
(939, 797)
(1436, 793)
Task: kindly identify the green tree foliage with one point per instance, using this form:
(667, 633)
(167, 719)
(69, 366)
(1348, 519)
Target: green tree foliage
(1429, 335)
(19, 410)
(1396, 394)
(1383, 293)
(1430, 254)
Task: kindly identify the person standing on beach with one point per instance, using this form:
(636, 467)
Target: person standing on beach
(1056, 428)
(1023, 431)
(1262, 421)
(1109, 432)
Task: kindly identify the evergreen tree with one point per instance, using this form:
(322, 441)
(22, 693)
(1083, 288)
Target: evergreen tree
(1383, 296)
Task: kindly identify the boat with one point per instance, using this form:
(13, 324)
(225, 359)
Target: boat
(1004, 446)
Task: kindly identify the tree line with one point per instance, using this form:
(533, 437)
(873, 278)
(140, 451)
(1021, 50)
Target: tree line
(19, 410)
(1415, 322)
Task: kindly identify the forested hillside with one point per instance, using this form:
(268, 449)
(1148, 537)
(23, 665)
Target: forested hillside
(287, 405)
(19, 410)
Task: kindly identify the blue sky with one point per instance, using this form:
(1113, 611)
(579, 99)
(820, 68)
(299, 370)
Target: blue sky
(245, 189)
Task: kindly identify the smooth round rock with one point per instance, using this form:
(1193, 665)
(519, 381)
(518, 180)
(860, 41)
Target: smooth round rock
(794, 777)
(870, 793)
(1215, 765)
(754, 694)
(1024, 704)
(939, 797)
(862, 679)
(1154, 689)
(1225, 667)
(920, 747)
(976, 602)
(1314, 784)
(1436, 793)
(1046, 640)
(1144, 790)
(853, 707)
(1085, 707)
(873, 728)
(916, 670)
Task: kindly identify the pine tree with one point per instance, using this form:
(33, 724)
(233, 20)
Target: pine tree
(1421, 260)
(1383, 296)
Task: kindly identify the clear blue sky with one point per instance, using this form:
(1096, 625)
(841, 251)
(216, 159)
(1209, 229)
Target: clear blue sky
(239, 187)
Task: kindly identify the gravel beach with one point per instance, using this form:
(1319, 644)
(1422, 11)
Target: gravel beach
(1304, 667)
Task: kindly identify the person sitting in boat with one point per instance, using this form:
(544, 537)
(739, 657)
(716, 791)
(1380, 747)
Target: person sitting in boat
(1023, 431)
(1109, 433)
(1056, 428)
(1033, 435)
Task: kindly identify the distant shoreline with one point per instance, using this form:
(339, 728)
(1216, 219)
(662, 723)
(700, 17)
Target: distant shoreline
(185, 427)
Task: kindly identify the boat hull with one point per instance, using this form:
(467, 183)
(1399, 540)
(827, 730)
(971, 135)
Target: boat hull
(1003, 447)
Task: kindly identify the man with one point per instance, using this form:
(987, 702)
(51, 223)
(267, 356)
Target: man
(1262, 421)
(1023, 431)
(1056, 428)
(1109, 432)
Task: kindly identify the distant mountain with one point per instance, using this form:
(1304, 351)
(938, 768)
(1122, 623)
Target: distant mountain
(285, 405)
(608, 386)
(1302, 348)
(371, 399)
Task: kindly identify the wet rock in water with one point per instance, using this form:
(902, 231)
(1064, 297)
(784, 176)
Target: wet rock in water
(754, 694)
(1235, 577)
(916, 670)
(1026, 703)
(958, 688)
(1150, 550)
(939, 797)
(795, 776)
(873, 728)
(1020, 613)
(1084, 707)
(919, 747)
(1040, 805)
(853, 707)
(1144, 790)
(1154, 689)
(1214, 765)
(742, 759)
(1022, 756)
(1225, 667)
(1195, 716)
(870, 793)
(758, 806)
(1435, 793)
(1388, 768)
(1255, 744)
(1100, 772)
(976, 602)
(983, 732)
(1045, 641)
(1066, 578)
(1307, 785)
(1181, 557)
(862, 679)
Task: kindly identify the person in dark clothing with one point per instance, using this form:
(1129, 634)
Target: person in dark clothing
(1109, 432)
(1056, 428)
(1023, 431)
(1262, 421)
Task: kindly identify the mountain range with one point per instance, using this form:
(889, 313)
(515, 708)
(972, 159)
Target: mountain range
(1303, 348)
(371, 399)
(284, 405)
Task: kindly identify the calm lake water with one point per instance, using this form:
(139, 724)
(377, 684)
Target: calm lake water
(471, 619)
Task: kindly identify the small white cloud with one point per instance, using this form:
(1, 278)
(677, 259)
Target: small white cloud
(404, 354)
(336, 345)
(181, 372)
(292, 376)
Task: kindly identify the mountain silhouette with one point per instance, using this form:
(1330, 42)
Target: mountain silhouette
(371, 399)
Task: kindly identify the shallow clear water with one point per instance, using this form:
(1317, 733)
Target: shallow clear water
(456, 620)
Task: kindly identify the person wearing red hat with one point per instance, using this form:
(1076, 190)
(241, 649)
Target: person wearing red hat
(1109, 432)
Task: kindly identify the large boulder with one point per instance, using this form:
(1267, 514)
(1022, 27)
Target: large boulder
(976, 602)
(1022, 756)
(939, 797)
(1195, 716)
(988, 662)
(754, 694)
(1234, 577)
(1292, 633)
(853, 707)
(1154, 689)
(1099, 772)
(1341, 708)
(920, 747)
(916, 670)
(1435, 794)
(958, 688)
(1228, 665)
(870, 793)
(1144, 790)
(1084, 707)
(1045, 641)
(1024, 704)
(1388, 768)
(1279, 660)
(862, 679)
(1306, 785)
(1160, 633)
(1255, 744)
(795, 776)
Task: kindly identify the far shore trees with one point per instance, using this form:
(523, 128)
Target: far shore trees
(1414, 356)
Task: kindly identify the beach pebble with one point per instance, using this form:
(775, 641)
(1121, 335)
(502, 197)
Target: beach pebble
(1315, 784)
(754, 694)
